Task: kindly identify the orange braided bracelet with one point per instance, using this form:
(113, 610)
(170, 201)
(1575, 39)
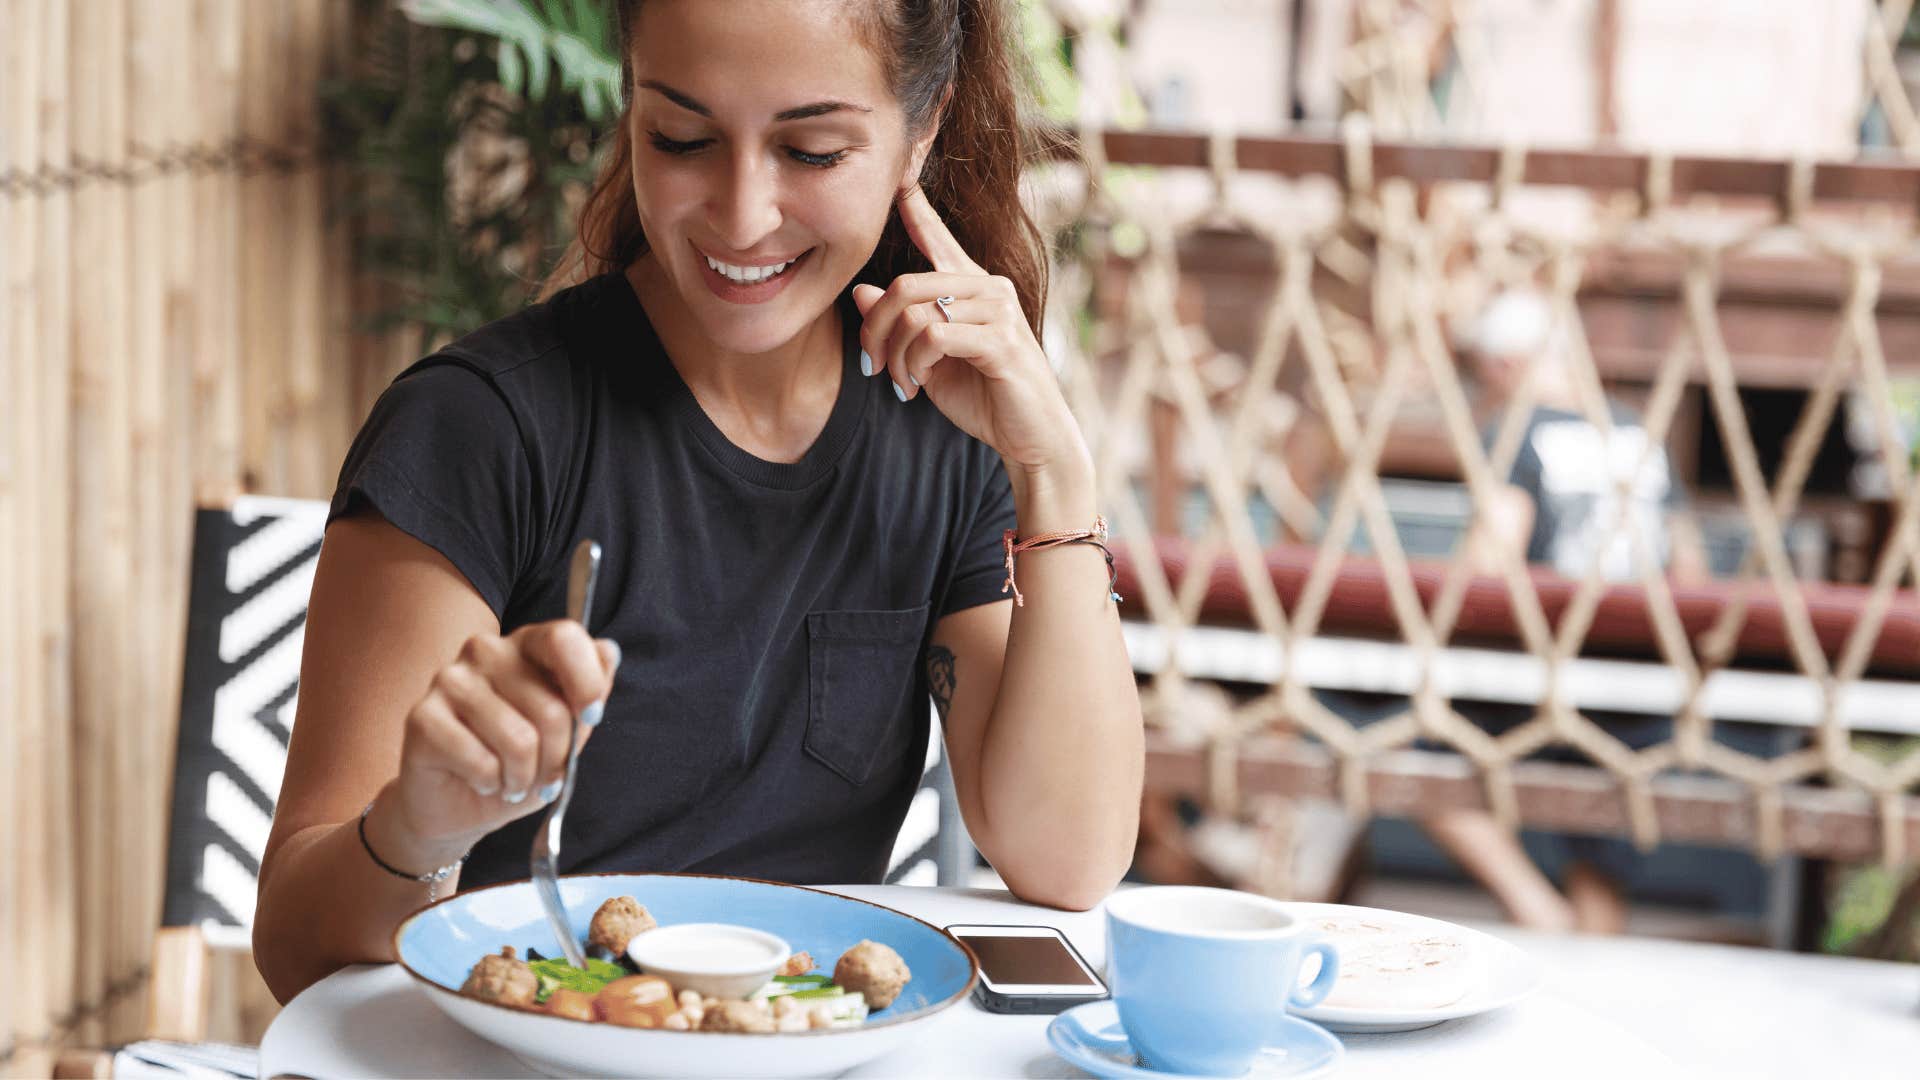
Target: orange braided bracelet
(1095, 536)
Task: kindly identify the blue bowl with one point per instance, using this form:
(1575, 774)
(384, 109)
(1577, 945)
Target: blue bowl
(438, 944)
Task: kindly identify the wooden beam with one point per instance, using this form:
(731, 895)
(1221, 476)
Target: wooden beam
(1708, 811)
(1593, 170)
(1606, 69)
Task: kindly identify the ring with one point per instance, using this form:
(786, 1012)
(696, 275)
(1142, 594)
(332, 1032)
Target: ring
(946, 303)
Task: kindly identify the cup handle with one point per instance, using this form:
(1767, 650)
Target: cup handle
(1306, 997)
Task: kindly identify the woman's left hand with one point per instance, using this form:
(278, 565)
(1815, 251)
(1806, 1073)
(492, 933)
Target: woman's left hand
(983, 369)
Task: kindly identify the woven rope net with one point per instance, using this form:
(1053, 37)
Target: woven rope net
(1369, 262)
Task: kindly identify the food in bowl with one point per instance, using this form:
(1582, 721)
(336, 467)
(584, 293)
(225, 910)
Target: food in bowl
(503, 979)
(772, 991)
(615, 925)
(873, 971)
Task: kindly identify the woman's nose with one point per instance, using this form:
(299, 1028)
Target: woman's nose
(746, 204)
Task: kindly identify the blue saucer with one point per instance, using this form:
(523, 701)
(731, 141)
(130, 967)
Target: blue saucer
(1090, 1037)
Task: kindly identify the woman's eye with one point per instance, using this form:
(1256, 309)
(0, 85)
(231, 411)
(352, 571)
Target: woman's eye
(818, 161)
(675, 146)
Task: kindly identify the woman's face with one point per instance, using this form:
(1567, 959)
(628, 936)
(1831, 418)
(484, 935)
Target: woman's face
(763, 133)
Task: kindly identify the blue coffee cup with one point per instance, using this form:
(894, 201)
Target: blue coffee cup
(1203, 977)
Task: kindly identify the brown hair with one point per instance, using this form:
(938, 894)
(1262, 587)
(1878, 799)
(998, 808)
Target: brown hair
(972, 171)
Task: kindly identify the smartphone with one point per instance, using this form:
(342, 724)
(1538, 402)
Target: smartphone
(1028, 969)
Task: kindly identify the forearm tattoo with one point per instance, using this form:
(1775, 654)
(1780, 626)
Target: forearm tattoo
(940, 678)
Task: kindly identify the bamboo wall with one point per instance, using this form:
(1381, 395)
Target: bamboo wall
(176, 327)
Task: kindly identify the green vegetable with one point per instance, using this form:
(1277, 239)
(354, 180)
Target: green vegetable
(818, 993)
(556, 973)
(804, 980)
(849, 1011)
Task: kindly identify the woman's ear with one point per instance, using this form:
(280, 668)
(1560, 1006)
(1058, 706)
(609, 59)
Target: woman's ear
(917, 156)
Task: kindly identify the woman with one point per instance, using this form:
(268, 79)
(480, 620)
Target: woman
(801, 489)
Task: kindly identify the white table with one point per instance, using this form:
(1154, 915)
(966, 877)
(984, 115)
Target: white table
(370, 1020)
(1725, 1012)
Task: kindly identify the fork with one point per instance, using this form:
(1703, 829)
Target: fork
(581, 577)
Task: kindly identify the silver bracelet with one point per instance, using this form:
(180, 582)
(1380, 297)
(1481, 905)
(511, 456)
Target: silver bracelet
(431, 879)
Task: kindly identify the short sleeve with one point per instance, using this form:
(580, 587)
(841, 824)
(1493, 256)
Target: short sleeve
(980, 569)
(441, 458)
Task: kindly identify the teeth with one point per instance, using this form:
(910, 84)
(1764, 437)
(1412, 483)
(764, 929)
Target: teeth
(747, 275)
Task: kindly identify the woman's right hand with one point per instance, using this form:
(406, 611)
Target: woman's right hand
(488, 742)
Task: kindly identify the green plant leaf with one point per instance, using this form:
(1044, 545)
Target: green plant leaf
(537, 44)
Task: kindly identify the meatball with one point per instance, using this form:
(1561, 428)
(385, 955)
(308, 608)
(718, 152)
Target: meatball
(572, 1004)
(618, 922)
(641, 1001)
(503, 980)
(874, 970)
(749, 1016)
(797, 964)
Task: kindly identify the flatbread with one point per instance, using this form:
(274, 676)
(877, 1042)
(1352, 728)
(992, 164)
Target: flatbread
(1387, 964)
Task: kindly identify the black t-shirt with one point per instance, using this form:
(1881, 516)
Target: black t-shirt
(770, 716)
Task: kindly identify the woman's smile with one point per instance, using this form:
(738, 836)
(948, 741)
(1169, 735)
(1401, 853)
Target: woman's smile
(749, 283)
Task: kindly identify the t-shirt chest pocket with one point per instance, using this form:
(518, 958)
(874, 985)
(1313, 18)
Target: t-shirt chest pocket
(860, 679)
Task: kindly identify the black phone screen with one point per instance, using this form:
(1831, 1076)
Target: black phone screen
(1010, 959)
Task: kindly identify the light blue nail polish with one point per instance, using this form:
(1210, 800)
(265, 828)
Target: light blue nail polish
(618, 654)
(899, 393)
(592, 714)
(912, 380)
(551, 791)
(866, 364)
(514, 797)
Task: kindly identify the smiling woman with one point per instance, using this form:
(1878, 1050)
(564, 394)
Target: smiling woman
(969, 166)
(796, 553)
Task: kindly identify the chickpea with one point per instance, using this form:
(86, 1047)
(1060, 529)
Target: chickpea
(641, 1001)
(572, 1004)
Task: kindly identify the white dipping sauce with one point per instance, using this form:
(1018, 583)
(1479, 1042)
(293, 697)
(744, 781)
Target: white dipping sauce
(692, 952)
(712, 959)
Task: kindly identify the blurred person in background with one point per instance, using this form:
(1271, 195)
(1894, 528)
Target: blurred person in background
(1562, 498)
(1562, 507)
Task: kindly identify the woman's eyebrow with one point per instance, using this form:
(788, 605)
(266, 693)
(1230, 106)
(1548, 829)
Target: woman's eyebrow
(803, 112)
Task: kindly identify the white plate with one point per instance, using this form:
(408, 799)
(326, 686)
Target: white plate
(1507, 974)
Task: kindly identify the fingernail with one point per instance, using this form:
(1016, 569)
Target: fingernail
(618, 654)
(551, 791)
(486, 791)
(514, 796)
(591, 715)
(899, 393)
(866, 364)
(912, 380)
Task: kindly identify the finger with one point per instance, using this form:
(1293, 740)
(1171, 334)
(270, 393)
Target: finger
(910, 326)
(610, 654)
(931, 235)
(951, 342)
(527, 689)
(924, 353)
(880, 321)
(915, 323)
(567, 653)
(510, 736)
(444, 743)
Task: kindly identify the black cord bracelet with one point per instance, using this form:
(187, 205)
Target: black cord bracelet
(1113, 572)
(431, 879)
